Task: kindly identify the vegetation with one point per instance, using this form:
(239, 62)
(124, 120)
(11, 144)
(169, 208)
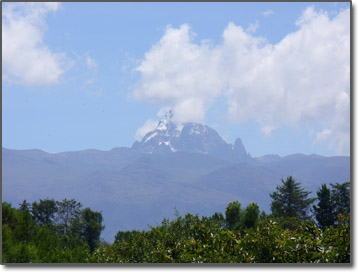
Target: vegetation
(51, 231)
(290, 200)
(324, 211)
(191, 239)
(233, 215)
(332, 204)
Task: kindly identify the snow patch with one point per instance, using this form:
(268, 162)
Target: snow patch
(197, 129)
(151, 136)
(163, 125)
(179, 128)
(194, 131)
(168, 144)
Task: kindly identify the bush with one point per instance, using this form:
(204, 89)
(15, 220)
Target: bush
(191, 239)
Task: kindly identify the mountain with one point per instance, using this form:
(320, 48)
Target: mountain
(310, 169)
(189, 167)
(249, 182)
(190, 137)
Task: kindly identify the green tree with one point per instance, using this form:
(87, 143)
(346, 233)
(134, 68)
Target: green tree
(290, 200)
(190, 239)
(8, 214)
(44, 212)
(25, 224)
(25, 206)
(324, 211)
(124, 235)
(341, 194)
(251, 215)
(233, 215)
(263, 215)
(91, 227)
(217, 218)
(25, 241)
(67, 212)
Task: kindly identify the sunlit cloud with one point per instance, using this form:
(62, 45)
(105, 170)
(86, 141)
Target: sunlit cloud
(26, 58)
(303, 80)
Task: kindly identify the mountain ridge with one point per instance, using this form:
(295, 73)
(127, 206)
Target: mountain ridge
(141, 185)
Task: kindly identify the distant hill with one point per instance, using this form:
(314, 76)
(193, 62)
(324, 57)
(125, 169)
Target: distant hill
(190, 168)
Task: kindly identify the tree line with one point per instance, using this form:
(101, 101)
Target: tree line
(49, 231)
(299, 229)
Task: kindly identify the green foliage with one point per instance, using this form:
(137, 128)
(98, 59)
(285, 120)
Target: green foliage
(251, 215)
(44, 212)
(237, 218)
(91, 227)
(336, 241)
(233, 215)
(324, 211)
(263, 215)
(290, 200)
(33, 236)
(341, 198)
(291, 223)
(244, 236)
(121, 235)
(191, 239)
(217, 217)
(25, 225)
(67, 213)
(332, 203)
(63, 232)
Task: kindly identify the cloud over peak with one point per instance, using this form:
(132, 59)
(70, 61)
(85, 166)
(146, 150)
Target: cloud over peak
(303, 80)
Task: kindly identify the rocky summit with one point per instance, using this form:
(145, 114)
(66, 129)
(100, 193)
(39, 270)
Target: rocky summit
(190, 137)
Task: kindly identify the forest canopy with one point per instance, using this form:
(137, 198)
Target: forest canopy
(297, 231)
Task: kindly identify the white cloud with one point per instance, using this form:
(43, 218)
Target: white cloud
(26, 58)
(267, 130)
(252, 27)
(88, 82)
(173, 75)
(303, 80)
(322, 135)
(91, 63)
(149, 125)
(267, 12)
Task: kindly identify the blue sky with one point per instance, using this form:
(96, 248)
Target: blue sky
(98, 75)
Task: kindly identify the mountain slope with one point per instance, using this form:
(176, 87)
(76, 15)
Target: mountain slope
(311, 170)
(190, 168)
(252, 183)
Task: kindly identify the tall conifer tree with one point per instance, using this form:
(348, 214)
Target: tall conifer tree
(324, 211)
(290, 200)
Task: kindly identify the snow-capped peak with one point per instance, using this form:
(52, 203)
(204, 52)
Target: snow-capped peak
(169, 132)
(162, 125)
(166, 121)
(188, 137)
